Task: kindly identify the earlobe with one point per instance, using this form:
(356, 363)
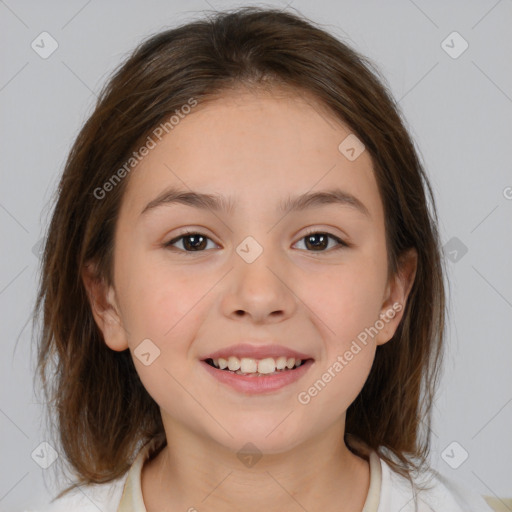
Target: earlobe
(397, 293)
(104, 308)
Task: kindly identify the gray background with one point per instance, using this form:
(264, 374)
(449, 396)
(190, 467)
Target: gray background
(459, 113)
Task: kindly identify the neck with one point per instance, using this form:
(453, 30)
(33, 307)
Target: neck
(195, 472)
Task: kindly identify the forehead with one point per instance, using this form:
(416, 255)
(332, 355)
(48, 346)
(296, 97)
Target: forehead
(254, 146)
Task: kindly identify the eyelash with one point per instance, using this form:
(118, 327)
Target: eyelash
(341, 243)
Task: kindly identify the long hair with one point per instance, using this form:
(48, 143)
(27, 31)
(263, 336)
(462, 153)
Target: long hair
(103, 413)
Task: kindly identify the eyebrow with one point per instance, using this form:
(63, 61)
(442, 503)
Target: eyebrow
(219, 203)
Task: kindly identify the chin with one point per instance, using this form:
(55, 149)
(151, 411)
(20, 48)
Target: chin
(265, 437)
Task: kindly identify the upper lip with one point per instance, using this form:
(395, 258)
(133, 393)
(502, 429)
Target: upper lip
(256, 352)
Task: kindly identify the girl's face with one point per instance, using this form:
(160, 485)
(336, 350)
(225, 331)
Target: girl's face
(250, 272)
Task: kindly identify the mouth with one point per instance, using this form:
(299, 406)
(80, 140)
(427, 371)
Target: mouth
(256, 376)
(250, 367)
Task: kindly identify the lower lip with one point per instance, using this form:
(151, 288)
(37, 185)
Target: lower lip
(256, 385)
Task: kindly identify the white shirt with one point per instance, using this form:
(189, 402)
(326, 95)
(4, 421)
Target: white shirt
(388, 492)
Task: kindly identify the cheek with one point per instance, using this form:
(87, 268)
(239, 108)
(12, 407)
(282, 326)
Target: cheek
(345, 378)
(356, 293)
(346, 298)
(159, 299)
(165, 308)
(347, 307)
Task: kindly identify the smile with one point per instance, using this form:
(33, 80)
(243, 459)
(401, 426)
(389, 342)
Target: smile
(256, 367)
(256, 376)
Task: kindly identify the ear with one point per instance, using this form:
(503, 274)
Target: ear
(396, 294)
(104, 307)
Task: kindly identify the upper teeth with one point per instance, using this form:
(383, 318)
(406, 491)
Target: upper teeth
(249, 365)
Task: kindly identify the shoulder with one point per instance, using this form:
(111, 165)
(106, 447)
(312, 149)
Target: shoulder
(87, 498)
(442, 494)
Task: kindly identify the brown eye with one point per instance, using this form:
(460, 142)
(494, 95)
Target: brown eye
(318, 241)
(191, 242)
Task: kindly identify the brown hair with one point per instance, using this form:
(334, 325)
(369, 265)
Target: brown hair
(104, 414)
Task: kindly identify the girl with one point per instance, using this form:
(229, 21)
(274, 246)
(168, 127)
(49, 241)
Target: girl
(242, 285)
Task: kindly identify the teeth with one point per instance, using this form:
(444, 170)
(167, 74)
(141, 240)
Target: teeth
(267, 365)
(233, 364)
(247, 365)
(281, 363)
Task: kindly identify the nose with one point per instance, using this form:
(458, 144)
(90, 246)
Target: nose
(260, 291)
